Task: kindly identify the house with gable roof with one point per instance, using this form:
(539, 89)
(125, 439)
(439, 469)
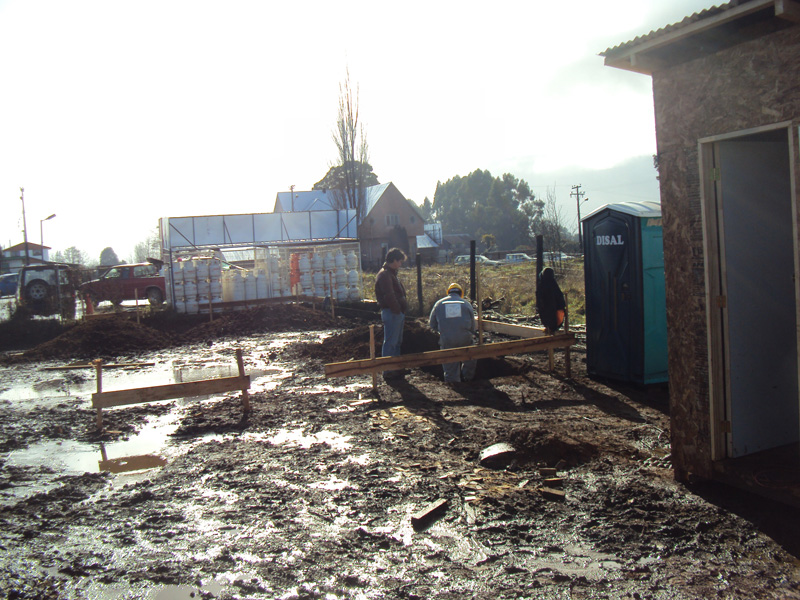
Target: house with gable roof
(389, 220)
(725, 90)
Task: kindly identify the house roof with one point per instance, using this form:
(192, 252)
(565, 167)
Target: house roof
(324, 200)
(21, 246)
(705, 32)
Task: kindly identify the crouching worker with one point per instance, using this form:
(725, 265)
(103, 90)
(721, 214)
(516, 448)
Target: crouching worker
(453, 319)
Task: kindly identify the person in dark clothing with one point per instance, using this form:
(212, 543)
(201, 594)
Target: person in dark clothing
(550, 301)
(391, 297)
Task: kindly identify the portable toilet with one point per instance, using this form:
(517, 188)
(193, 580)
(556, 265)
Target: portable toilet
(626, 312)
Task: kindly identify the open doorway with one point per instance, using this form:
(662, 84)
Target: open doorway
(751, 263)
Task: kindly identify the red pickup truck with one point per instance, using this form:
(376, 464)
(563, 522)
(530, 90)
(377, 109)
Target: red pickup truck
(127, 282)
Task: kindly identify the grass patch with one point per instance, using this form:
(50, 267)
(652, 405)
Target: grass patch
(513, 285)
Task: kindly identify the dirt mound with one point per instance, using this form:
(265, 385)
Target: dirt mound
(115, 335)
(354, 344)
(546, 447)
(275, 317)
(101, 337)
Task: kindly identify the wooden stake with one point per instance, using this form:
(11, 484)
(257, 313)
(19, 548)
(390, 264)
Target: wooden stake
(567, 358)
(136, 297)
(98, 369)
(478, 300)
(245, 393)
(372, 355)
(330, 279)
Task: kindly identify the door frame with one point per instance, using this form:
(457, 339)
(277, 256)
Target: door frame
(715, 276)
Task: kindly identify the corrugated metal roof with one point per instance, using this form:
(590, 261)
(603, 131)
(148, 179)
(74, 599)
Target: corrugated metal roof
(637, 209)
(305, 201)
(373, 193)
(703, 14)
(424, 241)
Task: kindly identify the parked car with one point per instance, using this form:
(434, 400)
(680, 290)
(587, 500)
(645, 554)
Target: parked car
(516, 257)
(463, 259)
(8, 284)
(48, 289)
(555, 257)
(127, 282)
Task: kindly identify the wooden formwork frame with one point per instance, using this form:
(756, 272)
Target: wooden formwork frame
(101, 399)
(437, 357)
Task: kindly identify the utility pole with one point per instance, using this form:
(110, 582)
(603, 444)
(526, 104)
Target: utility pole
(291, 191)
(576, 191)
(24, 226)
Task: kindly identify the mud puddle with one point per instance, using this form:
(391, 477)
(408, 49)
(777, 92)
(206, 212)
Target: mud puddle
(318, 491)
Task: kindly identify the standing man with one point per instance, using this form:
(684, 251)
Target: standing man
(391, 297)
(453, 319)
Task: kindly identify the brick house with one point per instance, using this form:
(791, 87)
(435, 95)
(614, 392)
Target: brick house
(725, 91)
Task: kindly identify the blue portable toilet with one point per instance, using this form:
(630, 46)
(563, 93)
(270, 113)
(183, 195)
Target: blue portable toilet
(626, 308)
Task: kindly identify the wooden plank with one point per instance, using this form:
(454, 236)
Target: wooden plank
(167, 392)
(429, 513)
(105, 366)
(438, 357)
(520, 331)
(552, 494)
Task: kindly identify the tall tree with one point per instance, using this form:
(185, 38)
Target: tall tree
(108, 257)
(147, 248)
(554, 233)
(353, 152)
(336, 177)
(427, 209)
(480, 204)
(73, 256)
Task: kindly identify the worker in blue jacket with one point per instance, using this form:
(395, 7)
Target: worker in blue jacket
(453, 319)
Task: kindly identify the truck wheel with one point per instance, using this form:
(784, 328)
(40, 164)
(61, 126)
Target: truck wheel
(37, 290)
(155, 297)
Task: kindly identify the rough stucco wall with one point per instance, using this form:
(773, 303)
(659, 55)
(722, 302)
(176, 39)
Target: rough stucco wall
(750, 85)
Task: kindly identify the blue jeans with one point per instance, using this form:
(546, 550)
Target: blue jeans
(392, 332)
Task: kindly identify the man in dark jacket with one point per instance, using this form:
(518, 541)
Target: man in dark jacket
(391, 297)
(550, 301)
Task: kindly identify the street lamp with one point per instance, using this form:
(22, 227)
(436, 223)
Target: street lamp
(41, 232)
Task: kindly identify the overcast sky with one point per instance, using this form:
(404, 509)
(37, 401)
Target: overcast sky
(113, 114)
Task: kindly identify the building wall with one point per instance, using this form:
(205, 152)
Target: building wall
(375, 230)
(753, 84)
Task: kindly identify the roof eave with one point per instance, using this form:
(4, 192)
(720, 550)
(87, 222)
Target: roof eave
(639, 57)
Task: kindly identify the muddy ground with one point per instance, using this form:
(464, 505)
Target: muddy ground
(319, 491)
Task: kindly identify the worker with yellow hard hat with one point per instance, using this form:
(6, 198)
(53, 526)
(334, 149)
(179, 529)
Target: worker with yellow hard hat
(453, 318)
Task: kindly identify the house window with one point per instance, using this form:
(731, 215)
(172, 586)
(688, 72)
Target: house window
(413, 219)
(391, 220)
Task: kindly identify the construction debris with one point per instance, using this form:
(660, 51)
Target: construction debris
(428, 514)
